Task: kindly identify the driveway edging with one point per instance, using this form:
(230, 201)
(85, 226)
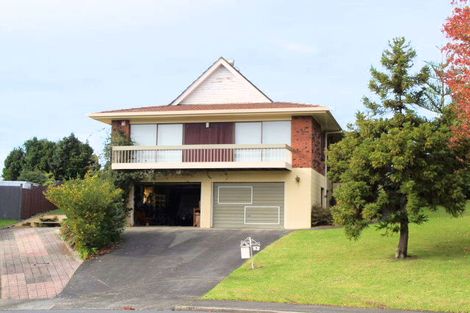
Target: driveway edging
(195, 308)
(227, 306)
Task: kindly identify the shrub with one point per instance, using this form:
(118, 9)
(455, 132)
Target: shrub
(95, 212)
(321, 216)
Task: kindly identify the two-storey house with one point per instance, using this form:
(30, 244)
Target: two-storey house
(230, 156)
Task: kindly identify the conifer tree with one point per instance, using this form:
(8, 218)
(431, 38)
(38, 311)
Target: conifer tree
(393, 164)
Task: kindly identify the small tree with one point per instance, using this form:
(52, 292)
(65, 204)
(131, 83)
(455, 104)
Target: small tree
(392, 163)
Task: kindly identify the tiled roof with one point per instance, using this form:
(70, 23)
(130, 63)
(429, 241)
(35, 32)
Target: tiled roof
(226, 106)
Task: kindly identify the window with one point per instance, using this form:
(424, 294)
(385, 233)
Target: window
(170, 135)
(275, 133)
(144, 135)
(248, 133)
(161, 135)
(278, 132)
(270, 132)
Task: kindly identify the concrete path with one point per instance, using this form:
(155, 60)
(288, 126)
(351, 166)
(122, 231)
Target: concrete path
(157, 268)
(34, 263)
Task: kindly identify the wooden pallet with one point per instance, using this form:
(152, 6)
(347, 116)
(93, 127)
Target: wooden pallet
(45, 221)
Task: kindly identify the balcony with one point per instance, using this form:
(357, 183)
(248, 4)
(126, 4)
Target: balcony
(220, 156)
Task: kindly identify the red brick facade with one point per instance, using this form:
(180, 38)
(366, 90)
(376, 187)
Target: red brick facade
(122, 126)
(302, 144)
(318, 146)
(307, 147)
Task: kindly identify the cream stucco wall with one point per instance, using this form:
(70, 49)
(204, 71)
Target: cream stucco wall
(318, 182)
(130, 204)
(302, 189)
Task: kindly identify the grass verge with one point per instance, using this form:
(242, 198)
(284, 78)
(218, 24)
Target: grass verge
(323, 267)
(6, 222)
(55, 212)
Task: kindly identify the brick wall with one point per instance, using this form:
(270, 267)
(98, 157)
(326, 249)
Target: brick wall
(302, 145)
(122, 126)
(318, 153)
(307, 148)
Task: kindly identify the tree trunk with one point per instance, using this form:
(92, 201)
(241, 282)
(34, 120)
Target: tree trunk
(402, 250)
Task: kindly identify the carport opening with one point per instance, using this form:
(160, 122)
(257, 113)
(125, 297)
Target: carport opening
(167, 204)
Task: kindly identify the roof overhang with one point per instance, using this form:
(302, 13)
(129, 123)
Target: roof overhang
(321, 114)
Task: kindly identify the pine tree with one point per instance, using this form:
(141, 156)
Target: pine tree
(392, 164)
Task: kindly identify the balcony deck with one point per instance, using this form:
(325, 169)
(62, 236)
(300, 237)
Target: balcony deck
(221, 156)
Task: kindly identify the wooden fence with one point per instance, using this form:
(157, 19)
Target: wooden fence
(33, 202)
(17, 202)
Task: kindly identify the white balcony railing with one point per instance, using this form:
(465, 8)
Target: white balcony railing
(202, 156)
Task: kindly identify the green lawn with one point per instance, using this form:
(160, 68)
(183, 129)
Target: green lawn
(56, 212)
(5, 223)
(323, 267)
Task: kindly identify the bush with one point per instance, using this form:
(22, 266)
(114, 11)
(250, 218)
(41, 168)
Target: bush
(95, 212)
(321, 216)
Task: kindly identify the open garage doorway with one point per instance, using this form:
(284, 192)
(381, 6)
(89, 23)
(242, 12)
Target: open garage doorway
(167, 204)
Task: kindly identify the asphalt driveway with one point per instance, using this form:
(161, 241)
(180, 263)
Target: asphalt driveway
(157, 268)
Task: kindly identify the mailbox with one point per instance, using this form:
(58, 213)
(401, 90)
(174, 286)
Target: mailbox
(248, 246)
(245, 251)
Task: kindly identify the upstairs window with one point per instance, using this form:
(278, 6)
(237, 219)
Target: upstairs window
(278, 132)
(144, 134)
(248, 133)
(271, 132)
(157, 134)
(169, 134)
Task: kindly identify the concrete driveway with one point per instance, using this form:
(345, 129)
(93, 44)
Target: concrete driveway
(157, 268)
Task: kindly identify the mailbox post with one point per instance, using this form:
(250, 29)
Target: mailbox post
(247, 247)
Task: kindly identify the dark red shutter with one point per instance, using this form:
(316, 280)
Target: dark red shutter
(216, 133)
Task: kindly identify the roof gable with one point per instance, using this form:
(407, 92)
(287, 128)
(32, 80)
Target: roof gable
(221, 83)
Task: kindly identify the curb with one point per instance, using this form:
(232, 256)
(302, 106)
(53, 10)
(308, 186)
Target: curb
(196, 308)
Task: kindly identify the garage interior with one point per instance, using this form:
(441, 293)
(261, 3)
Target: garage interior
(167, 204)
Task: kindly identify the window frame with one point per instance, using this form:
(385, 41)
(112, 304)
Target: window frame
(156, 131)
(262, 130)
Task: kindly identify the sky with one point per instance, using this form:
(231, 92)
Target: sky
(62, 60)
